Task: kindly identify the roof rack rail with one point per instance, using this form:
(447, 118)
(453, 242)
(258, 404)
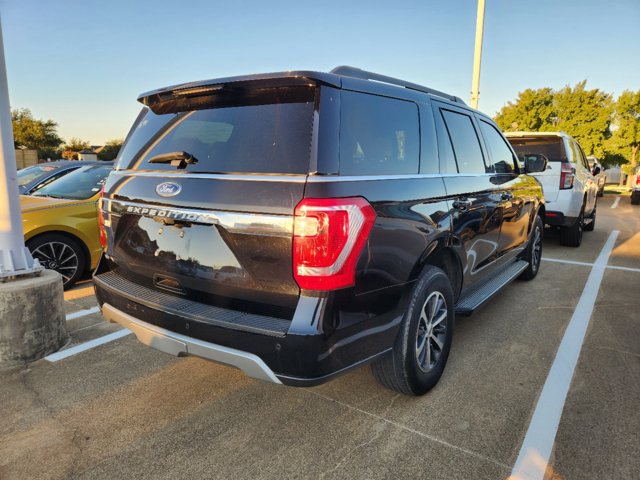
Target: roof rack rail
(364, 75)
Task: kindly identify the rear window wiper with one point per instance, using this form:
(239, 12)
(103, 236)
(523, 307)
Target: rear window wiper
(177, 159)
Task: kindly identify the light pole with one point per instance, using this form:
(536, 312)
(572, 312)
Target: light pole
(15, 259)
(32, 320)
(477, 56)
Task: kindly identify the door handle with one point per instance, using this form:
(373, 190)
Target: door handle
(462, 204)
(506, 196)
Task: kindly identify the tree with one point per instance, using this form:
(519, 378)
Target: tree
(583, 114)
(31, 133)
(532, 111)
(72, 147)
(111, 149)
(625, 138)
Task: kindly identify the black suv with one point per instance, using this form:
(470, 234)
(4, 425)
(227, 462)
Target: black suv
(296, 225)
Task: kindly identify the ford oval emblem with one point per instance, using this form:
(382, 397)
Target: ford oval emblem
(168, 189)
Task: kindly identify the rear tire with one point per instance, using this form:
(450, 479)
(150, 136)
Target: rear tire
(592, 224)
(59, 253)
(422, 346)
(533, 253)
(635, 198)
(572, 236)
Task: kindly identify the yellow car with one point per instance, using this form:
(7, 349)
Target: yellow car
(60, 222)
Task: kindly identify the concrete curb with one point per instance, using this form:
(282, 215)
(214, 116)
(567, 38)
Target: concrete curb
(32, 318)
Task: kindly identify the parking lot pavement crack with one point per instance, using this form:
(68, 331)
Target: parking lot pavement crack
(388, 409)
(352, 451)
(444, 443)
(39, 400)
(624, 352)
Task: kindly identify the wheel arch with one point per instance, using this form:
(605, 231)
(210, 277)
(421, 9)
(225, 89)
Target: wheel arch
(67, 234)
(442, 255)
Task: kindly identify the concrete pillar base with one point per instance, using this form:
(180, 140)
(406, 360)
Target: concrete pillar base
(32, 318)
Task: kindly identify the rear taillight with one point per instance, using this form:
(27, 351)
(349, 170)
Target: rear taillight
(638, 179)
(328, 237)
(566, 176)
(103, 235)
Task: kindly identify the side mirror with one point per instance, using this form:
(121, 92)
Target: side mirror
(596, 171)
(535, 163)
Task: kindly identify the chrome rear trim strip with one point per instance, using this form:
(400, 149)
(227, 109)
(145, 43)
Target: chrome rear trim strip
(236, 222)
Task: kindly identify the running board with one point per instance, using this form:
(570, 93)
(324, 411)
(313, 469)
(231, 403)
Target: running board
(476, 296)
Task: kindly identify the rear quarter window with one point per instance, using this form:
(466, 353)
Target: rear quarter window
(378, 135)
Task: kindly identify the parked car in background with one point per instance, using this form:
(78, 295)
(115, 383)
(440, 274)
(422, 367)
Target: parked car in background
(297, 225)
(613, 174)
(32, 178)
(635, 188)
(570, 190)
(60, 222)
(598, 173)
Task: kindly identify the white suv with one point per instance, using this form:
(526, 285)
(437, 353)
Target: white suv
(570, 189)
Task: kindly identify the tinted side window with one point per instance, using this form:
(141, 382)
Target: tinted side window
(378, 135)
(501, 156)
(585, 162)
(465, 142)
(445, 150)
(575, 153)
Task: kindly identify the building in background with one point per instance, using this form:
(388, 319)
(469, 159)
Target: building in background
(26, 157)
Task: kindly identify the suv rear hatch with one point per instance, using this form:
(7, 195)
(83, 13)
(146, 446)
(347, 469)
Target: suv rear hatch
(201, 203)
(551, 146)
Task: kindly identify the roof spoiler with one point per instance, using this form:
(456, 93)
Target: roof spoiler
(162, 100)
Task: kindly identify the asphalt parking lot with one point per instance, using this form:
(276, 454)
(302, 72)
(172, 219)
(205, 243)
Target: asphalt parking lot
(122, 410)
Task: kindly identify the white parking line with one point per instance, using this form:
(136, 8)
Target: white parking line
(570, 262)
(615, 202)
(83, 313)
(537, 445)
(586, 264)
(69, 352)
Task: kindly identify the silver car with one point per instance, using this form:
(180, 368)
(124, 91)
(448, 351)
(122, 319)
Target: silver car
(598, 173)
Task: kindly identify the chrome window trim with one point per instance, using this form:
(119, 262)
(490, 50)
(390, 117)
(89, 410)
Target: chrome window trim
(360, 178)
(297, 178)
(300, 178)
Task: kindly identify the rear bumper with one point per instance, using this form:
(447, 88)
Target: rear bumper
(180, 345)
(305, 353)
(558, 219)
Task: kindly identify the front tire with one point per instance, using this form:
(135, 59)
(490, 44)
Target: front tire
(59, 253)
(533, 253)
(422, 346)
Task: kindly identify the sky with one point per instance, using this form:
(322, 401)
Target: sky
(83, 63)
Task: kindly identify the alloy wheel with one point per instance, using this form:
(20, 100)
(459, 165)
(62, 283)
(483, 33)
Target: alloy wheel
(58, 256)
(432, 331)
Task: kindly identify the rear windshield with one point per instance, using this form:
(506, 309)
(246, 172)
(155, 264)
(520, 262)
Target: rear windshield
(28, 174)
(267, 136)
(81, 184)
(550, 147)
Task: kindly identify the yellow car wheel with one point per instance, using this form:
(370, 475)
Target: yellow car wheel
(60, 253)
